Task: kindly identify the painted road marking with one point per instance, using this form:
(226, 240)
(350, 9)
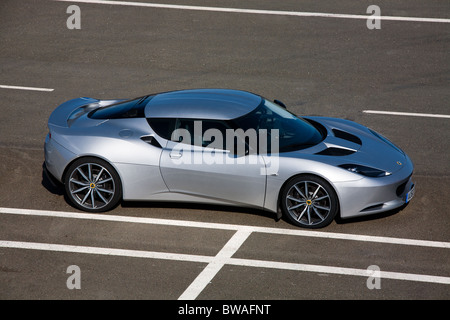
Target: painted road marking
(217, 262)
(410, 114)
(25, 88)
(105, 251)
(224, 256)
(256, 11)
(222, 226)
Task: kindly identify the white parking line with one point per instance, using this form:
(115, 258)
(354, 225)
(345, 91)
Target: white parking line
(224, 256)
(222, 226)
(410, 114)
(105, 251)
(25, 88)
(202, 280)
(217, 262)
(337, 270)
(256, 11)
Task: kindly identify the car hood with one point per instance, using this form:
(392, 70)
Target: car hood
(347, 142)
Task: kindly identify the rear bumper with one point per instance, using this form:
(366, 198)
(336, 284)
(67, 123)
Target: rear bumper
(56, 158)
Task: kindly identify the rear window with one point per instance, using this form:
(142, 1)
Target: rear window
(126, 109)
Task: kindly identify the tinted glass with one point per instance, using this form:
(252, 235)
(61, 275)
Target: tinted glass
(294, 133)
(127, 109)
(163, 127)
(205, 133)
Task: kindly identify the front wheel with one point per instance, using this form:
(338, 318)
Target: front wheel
(92, 185)
(309, 201)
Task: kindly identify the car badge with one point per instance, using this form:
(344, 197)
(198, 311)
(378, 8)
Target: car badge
(399, 163)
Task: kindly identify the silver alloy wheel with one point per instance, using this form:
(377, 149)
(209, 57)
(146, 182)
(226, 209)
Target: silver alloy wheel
(308, 203)
(91, 185)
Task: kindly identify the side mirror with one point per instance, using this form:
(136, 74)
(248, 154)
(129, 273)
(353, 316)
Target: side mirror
(281, 104)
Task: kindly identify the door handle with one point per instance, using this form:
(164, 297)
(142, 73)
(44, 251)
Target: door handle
(176, 154)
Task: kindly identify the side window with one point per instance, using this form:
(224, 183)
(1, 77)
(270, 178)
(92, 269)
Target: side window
(204, 133)
(214, 134)
(163, 127)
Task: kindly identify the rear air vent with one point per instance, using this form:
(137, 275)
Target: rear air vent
(346, 136)
(336, 152)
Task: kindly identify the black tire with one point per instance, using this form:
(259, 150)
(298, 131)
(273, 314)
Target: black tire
(92, 185)
(309, 202)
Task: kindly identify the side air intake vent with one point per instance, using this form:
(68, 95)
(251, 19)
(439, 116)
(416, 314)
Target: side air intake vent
(346, 136)
(372, 208)
(335, 152)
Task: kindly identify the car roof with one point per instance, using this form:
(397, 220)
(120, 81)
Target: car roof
(219, 104)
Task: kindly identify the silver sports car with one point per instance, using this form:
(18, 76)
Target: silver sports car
(223, 147)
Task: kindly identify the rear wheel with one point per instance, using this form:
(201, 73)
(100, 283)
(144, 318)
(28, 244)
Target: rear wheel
(309, 201)
(92, 185)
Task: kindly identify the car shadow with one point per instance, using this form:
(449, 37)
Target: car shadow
(197, 206)
(50, 183)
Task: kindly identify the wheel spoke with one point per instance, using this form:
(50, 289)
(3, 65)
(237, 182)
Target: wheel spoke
(318, 214)
(86, 196)
(104, 190)
(89, 172)
(297, 206)
(101, 197)
(82, 174)
(299, 192)
(309, 214)
(320, 198)
(99, 175)
(323, 208)
(104, 181)
(80, 189)
(79, 182)
(92, 199)
(315, 192)
(301, 214)
(295, 199)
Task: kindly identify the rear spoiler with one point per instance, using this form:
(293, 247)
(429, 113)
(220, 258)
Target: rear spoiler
(61, 114)
(69, 111)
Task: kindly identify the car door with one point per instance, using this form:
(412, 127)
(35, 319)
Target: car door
(197, 162)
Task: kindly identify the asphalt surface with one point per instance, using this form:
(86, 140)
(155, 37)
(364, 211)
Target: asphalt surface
(315, 65)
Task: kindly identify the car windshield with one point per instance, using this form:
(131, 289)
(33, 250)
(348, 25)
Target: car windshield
(293, 132)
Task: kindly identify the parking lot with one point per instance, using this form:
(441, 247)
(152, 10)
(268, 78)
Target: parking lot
(395, 80)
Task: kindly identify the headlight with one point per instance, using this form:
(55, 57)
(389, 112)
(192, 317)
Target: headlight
(365, 171)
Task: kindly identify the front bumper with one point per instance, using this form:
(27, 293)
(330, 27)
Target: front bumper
(375, 195)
